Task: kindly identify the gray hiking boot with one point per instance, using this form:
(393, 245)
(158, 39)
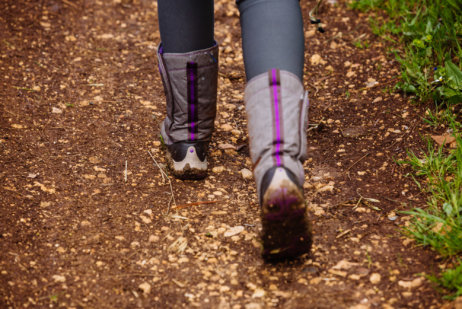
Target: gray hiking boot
(277, 111)
(190, 84)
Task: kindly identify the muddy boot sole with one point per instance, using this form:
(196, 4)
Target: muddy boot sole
(186, 172)
(286, 230)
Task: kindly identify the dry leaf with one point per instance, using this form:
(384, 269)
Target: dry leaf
(445, 139)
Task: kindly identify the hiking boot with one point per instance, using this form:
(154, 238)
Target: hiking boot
(277, 111)
(190, 85)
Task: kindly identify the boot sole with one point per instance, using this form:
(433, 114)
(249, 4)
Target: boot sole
(286, 230)
(187, 172)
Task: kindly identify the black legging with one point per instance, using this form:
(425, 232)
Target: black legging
(272, 31)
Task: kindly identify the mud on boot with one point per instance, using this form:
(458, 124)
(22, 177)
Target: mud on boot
(190, 84)
(277, 111)
(187, 160)
(286, 231)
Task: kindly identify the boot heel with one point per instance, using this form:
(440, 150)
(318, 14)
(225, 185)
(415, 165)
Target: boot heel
(286, 231)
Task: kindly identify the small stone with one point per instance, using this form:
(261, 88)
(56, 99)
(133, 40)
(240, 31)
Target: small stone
(233, 231)
(258, 293)
(226, 127)
(61, 250)
(411, 284)
(94, 160)
(56, 110)
(85, 223)
(153, 238)
(316, 59)
(375, 278)
(226, 146)
(145, 219)
(145, 287)
(59, 278)
(371, 82)
(99, 263)
(45, 204)
(253, 306)
(218, 169)
(344, 264)
(246, 174)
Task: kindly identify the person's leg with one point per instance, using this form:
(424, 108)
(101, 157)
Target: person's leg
(272, 36)
(188, 63)
(277, 108)
(185, 25)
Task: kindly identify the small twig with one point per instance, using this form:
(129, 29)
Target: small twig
(195, 204)
(70, 4)
(161, 170)
(125, 173)
(343, 233)
(359, 202)
(356, 162)
(164, 175)
(368, 199)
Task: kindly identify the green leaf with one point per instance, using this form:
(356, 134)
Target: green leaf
(454, 75)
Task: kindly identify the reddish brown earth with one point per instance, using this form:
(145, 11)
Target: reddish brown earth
(84, 219)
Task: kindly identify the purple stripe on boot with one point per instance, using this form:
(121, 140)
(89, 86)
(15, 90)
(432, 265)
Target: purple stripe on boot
(277, 146)
(192, 99)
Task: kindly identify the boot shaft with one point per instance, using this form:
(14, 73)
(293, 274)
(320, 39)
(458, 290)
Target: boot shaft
(277, 111)
(190, 84)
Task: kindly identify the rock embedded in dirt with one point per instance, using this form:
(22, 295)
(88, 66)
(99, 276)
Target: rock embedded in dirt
(145, 287)
(411, 284)
(218, 169)
(375, 278)
(59, 278)
(226, 127)
(316, 59)
(246, 173)
(234, 231)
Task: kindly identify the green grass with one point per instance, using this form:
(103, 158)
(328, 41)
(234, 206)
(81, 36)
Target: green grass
(429, 33)
(439, 225)
(451, 280)
(426, 37)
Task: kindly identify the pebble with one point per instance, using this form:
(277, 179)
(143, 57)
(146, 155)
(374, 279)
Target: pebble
(378, 99)
(85, 223)
(246, 173)
(226, 127)
(59, 278)
(316, 59)
(56, 110)
(233, 231)
(410, 284)
(253, 306)
(375, 278)
(145, 287)
(153, 238)
(218, 169)
(258, 293)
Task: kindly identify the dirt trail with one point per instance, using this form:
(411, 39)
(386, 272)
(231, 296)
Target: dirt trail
(83, 208)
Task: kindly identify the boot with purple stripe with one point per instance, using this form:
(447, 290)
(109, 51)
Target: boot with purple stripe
(190, 84)
(277, 111)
